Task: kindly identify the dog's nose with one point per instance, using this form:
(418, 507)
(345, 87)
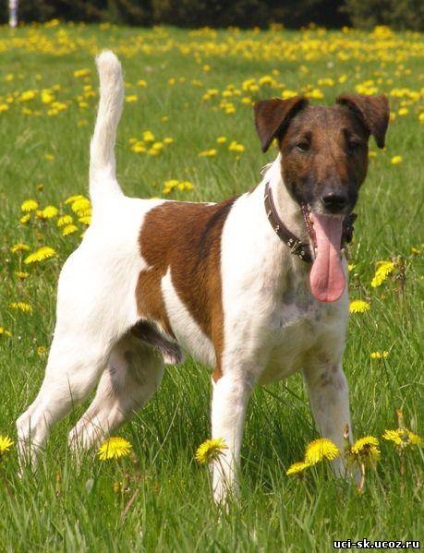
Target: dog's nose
(334, 201)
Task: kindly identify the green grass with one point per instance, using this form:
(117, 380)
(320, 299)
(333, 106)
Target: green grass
(164, 500)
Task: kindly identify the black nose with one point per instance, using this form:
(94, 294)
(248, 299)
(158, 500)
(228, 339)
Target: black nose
(334, 201)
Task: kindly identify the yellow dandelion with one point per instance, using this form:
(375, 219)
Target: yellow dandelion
(49, 212)
(321, 449)
(114, 448)
(25, 219)
(131, 98)
(365, 451)
(42, 351)
(379, 355)
(402, 437)
(210, 450)
(81, 73)
(235, 147)
(4, 332)
(363, 443)
(21, 306)
(80, 205)
(148, 136)
(221, 140)
(69, 229)
(138, 148)
(45, 252)
(208, 153)
(64, 220)
(19, 248)
(74, 198)
(85, 220)
(5, 444)
(396, 160)
(297, 468)
(22, 275)
(384, 269)
(359, 306)
(29, 205)
(185, 185)
(27, 96)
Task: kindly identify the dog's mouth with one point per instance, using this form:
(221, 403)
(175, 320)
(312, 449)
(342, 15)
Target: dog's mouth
(326, 278)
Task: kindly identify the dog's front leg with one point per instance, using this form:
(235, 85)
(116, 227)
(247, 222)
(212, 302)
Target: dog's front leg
(329, 397)
(230, 397)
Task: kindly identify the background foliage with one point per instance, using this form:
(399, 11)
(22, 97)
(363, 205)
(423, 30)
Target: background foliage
(400, 14)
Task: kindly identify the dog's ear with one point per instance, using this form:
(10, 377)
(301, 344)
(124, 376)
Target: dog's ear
(273, 116)
(372, 110)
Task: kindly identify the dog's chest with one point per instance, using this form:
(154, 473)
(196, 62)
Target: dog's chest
(297, 332)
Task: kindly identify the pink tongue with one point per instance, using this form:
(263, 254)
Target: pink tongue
(327, 278)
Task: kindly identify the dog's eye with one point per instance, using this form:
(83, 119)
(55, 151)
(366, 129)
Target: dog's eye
(354, 145)
(303, 146)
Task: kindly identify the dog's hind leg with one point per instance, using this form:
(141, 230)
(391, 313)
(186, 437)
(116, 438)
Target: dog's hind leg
(74, 366)
(132, 376)
(329, 398)
(89, 323)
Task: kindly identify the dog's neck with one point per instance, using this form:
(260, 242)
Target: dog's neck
(287, 208)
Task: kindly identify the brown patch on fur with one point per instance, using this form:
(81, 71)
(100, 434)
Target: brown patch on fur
(185, 237)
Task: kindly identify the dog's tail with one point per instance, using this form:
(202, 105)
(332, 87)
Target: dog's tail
(103, 183)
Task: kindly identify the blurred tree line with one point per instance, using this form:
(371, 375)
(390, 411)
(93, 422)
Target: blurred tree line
(398, 14)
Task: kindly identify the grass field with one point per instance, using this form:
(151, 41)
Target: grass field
(187, 133)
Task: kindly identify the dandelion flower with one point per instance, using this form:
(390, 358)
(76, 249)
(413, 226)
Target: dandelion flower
(365, 451)
(45, 252)
(69, 229)
(64, 221)
(24, 220)
(21, 306)
(235, 147)
(81, 73)
(85, 220)
(114, 448)
(384, 269)
(208, 153)
(210, 450)
(297, 468)
(81, 205)
(379, 355)
(321, 449)
(359, 306)
(18, 248)
(148, 136)
(22, 275)
(4, 332)
(5, 444)
(29, 205)
(402, 437)
(49, 212)
(74, 198)
(396, 160)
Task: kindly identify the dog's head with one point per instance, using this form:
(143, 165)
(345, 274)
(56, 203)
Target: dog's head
(324, 153)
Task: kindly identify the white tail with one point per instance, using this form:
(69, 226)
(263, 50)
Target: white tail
(103, 181)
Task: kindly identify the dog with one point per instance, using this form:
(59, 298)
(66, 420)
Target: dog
(254, 286)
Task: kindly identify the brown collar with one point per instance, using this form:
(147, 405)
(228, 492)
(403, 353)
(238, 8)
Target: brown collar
(297, 247)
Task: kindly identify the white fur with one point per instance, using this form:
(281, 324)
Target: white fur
(187, 332)
(273, 327)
